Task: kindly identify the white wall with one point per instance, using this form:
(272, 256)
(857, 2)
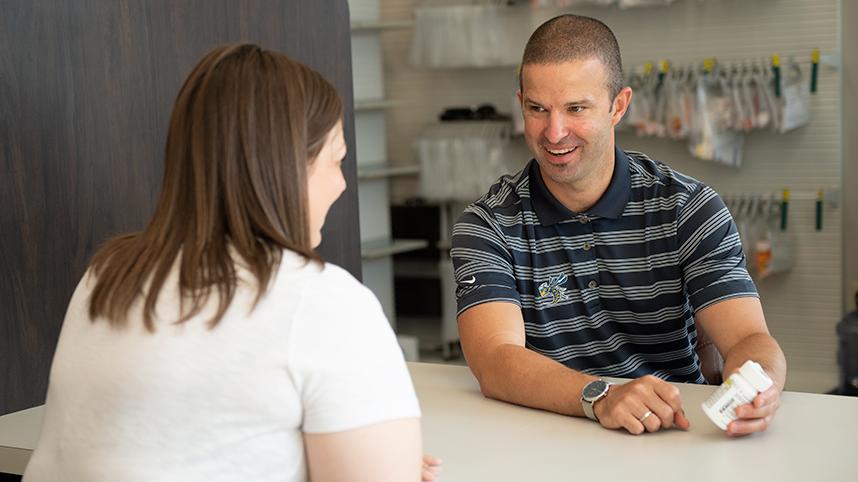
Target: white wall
(849, 29)
(803, 306)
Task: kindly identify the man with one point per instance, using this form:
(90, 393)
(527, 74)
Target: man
(596, 262)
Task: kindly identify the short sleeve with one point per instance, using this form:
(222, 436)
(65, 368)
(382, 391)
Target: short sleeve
(482, 262)
(344, 358)
(710, 251)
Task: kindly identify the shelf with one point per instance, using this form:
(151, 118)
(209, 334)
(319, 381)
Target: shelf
(389, 247)
(417, 268)
(377, 104)
(380, 171)
(378, 25)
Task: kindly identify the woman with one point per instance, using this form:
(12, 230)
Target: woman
(215, 344)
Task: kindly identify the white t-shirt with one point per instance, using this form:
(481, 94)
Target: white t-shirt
(189, 403)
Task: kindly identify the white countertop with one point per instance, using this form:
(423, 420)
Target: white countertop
(19, 433)
(814, 438)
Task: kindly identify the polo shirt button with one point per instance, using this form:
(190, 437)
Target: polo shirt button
(592, 283)
(587, 246)
(584, 219)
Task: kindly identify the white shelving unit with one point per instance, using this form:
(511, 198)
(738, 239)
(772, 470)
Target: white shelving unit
(374, 168)
(379, 25)
(363, 105)
(383, 170)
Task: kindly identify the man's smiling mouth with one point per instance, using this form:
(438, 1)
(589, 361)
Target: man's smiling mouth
(560, 152)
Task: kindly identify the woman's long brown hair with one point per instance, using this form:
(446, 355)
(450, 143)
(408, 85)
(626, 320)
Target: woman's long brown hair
(245, 127)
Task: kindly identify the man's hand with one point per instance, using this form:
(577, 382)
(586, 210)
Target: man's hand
(646, 404)
(431, 468)
(756, 416)
(738, 328)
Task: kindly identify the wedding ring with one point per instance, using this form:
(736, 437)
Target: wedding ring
(645, 416)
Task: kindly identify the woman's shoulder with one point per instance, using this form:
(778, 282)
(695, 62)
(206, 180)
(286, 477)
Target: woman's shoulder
(330, 301)
(321, 280)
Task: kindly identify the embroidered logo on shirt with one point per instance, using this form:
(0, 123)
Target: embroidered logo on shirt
(553, 287)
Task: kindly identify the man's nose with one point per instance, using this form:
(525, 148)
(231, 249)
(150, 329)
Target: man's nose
(557, 129)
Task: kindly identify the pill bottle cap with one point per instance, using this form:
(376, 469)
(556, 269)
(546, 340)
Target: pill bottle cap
(755, 375)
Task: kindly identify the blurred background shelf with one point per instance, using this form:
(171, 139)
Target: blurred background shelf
(381, 248)
(381, 171)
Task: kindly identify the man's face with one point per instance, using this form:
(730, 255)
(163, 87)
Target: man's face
(569, 119)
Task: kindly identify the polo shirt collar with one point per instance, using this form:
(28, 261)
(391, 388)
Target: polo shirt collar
(611, 205)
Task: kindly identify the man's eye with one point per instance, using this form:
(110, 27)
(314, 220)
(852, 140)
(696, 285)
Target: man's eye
(576, 108)
(536, 108)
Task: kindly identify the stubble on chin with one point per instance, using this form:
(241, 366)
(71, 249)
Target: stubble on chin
(566, 174)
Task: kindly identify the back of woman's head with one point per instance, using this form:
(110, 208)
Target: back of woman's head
(245, 127)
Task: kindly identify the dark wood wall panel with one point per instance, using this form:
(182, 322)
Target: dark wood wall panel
(86, 88)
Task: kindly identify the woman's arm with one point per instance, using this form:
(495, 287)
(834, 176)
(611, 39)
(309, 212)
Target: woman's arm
(387, 451)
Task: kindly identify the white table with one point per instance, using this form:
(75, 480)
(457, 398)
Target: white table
(814, 438)
(19, 433)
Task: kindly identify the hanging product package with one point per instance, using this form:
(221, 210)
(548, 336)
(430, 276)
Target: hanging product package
(660, 114)
(767, 83)
(455, 36)
(642, 112)
(774, 251)
(795, 86)
(570, 3)
(675, 113)
(747, 212)
(458, 159)
(743, 111)
(468, 35)
(636, 115)
(759, 98)
(781, 247)
(644, 3)
(433, 155)
(711, 137)
(763, 252)
(783, 242)
(700, 135)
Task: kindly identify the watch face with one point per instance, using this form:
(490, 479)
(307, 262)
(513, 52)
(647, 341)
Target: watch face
(594, 389)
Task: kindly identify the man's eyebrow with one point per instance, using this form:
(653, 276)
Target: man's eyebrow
(584, 102)
(581, 102)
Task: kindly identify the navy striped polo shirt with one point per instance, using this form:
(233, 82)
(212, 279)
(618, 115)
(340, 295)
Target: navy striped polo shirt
(611, 291)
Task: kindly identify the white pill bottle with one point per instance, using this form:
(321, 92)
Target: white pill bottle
(741, 388)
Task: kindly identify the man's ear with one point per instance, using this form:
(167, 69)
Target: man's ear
(518, 94)
(621, 105)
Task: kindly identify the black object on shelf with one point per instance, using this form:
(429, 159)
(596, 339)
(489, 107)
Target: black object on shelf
(418, 297)
(417, 294)
(417, 222)
(483, 112)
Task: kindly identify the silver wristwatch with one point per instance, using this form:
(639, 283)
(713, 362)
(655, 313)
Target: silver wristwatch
(592, 393)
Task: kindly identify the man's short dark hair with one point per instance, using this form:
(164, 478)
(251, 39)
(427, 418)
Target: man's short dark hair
(573, 37)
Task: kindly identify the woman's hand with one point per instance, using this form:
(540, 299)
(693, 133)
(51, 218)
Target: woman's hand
(431, 468)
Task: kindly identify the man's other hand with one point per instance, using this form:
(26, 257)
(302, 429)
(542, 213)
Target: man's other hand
(756, 416)
(646, 404)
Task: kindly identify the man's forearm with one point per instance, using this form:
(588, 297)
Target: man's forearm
(518, 375)
(763, 349)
